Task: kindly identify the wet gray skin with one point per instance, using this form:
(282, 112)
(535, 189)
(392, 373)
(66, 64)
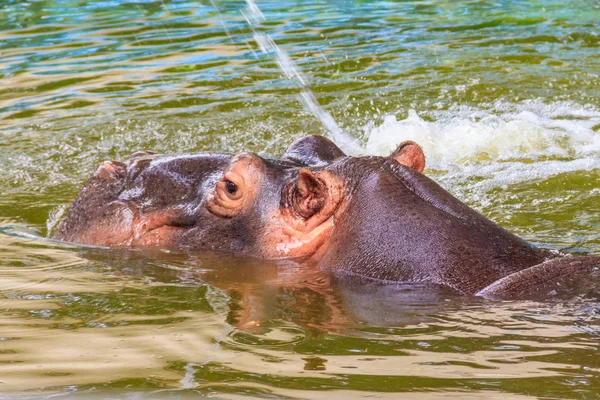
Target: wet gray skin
(377, 217)
(173, 190)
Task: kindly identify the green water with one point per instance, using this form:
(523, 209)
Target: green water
(504, 96)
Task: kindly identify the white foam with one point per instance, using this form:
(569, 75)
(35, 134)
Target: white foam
(504, 143)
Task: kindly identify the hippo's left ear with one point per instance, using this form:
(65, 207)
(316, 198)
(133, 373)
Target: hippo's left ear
(410, 154)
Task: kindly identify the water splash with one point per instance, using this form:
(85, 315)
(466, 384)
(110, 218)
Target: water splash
(255, 17)
(498, 145)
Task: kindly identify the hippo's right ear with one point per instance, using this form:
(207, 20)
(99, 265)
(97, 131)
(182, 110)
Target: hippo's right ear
(311, 199)
(410, 154)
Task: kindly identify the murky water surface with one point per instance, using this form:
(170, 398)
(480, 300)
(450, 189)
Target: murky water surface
(504, 96)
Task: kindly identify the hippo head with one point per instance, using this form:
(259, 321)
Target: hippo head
(375, 216)
(269, 208)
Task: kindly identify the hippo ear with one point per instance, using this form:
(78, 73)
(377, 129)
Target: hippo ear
(311, 199)
(313, 151)
(410, 154)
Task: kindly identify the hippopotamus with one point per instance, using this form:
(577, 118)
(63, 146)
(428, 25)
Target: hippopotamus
(376, 217)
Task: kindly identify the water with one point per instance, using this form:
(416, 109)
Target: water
(503, 96)
(289, 69)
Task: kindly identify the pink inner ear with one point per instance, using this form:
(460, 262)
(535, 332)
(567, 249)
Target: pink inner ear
(410, 154)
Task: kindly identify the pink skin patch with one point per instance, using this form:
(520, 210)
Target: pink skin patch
(163, 237)
(158, 229)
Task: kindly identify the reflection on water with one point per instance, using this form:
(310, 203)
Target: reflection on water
(114, 319)
(503, 96)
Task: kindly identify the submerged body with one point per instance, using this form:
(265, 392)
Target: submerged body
(373, 216)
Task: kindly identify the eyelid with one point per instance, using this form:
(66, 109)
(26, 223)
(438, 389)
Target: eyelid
(233, 177)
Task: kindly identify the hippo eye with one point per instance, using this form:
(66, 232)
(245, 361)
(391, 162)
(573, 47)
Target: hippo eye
(228, 196)
(230, 187)
(235, 191)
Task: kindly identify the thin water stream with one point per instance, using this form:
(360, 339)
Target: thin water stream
(289, 69)
(503, 97)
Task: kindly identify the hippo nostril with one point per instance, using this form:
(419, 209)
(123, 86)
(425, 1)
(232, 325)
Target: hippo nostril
(111, 170)
(136, 167)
